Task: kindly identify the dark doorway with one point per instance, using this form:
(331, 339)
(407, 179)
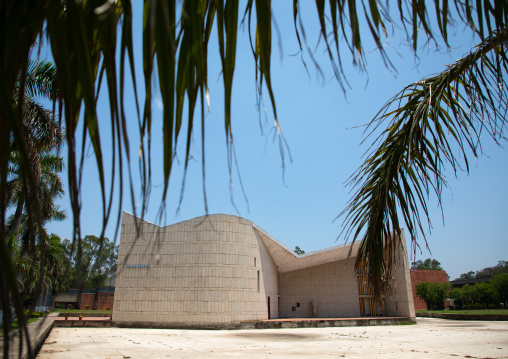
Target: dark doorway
(269, 315)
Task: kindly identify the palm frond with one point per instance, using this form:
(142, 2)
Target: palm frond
(40, 79)
(432, 124)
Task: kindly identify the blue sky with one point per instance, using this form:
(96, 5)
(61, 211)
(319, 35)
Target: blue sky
(298, 205)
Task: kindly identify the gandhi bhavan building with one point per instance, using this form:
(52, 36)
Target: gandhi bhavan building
(218, 270)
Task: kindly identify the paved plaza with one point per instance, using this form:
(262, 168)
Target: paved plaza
(429, 338)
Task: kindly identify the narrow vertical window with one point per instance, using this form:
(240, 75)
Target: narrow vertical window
(254, 261)
(269, 311)
(259, 287)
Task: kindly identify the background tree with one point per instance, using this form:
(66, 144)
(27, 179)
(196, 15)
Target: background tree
(479, 295)
(33, 244)
(433, 293)
(96, 263)
(500, 267)
(42, 135)
(28, 271)
(298, 250)
(500, 283)
(467, 276)
(457, 295)
(428, 264)
(31, 185)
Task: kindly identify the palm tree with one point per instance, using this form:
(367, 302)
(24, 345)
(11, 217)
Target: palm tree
(41, 131)
(83, 39)
(32, 181)
(44, 257)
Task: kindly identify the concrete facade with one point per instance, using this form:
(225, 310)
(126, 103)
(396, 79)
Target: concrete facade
(216, 270)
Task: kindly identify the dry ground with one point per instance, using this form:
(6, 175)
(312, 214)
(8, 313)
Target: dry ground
(429, 338)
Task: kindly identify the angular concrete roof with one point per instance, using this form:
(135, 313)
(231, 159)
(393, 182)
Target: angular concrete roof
(287, 260)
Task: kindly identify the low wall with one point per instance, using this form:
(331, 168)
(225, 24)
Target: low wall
(461, 316)
(326, 323)
(86, 314)
(83, 323)
(276, 324)
(38, 332)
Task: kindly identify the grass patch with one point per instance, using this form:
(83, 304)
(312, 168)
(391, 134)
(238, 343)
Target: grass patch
(466, 311)
(79, 311)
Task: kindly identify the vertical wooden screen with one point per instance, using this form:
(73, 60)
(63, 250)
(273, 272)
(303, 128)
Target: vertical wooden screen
(369, 307)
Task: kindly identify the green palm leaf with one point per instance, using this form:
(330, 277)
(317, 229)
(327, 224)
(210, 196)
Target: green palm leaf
(430, 124)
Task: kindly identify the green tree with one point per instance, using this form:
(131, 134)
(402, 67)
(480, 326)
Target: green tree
(27, 183)
(30, 244)
(467, 276)
(298, 250)
(479, 295)
(92, 261)
(433, 293)
(457, 295)
(28, 270)
(42, 135)
(56, 263)
(500, 267)
(429, 118)
(428, 264)
(500, 283)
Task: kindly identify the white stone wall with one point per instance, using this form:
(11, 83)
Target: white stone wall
(332, 286)
(222, 269)
(400, 302)
(201, 271)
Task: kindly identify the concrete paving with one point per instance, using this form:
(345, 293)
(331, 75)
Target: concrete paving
(429, 338)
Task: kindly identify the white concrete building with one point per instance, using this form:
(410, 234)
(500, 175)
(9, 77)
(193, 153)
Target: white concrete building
(217, 270)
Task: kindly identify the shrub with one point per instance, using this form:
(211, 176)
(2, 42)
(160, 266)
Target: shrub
(483, 293)
(33, 314)
(433, 293)
(500, 283)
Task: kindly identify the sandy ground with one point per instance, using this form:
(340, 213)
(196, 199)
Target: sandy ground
(429, 338)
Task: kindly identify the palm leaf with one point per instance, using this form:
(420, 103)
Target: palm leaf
(433, 123)
(40, 79)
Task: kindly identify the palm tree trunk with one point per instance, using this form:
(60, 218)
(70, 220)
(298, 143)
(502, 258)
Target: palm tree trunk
(17, 217)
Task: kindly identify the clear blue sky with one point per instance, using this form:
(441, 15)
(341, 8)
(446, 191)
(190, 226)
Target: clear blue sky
(298, 206)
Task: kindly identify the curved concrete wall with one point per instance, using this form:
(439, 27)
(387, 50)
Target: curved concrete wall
(205, 271)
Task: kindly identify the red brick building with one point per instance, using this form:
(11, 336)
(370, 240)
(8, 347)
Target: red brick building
(99, 299)
(104, 299)
(420, 275)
